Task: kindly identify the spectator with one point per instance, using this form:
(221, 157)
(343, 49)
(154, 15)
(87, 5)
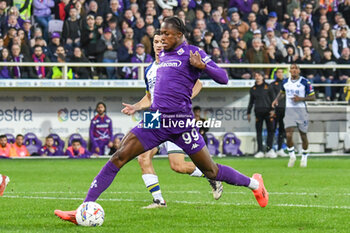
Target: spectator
(216, 26)
(89, 38)
(197, 39)
(207, 9)
(72, 29)
(311, 74)
(201, 25)
(307, 34)
(5, 148)
(261, 17)
(272, 19)
(18, 149)
(115, 9)
(80, 72)
(54, 43)
(139, 30)
(81, 10)
(5, 71)
(93, 7)
(189, 13)
(234, 37)
(327, 75)
(343, 74)
(115, 147)
(248, 36)
(322, 46)
(150, 20)
(257, 54)
(57, 70)
(49, 149)
(209, 43)
(110, 52)
(340, 43)
(261, 97)
(12, 23)
(188, 25)
(226, 50)
(344, 8)
(236, 22)
(147, 40)
(20, 72)
(76, 151)
(42, 14)
(130, 18)
(326, 28)
(3, 15)
(112, 24)
(278, 7)
(28, 30)
(216, 57)
(125, 53)
(140, 57)
(291, 56)
(270, 35)
(239, 73)
(41, 72)
(101, 130)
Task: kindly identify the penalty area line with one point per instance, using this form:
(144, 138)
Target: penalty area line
(182, 202)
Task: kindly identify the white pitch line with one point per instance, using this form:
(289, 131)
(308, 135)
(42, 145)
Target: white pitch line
(195, 192)
(184, 202)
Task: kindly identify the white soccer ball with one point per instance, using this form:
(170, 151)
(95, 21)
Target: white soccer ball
(90, 214)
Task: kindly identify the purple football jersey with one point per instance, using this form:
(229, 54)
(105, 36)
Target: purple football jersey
(176, 78)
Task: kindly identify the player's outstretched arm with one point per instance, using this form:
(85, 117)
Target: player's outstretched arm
(144, 103)
(197, 88)
(216, 73)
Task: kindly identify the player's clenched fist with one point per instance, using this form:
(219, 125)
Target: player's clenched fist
(196, 60)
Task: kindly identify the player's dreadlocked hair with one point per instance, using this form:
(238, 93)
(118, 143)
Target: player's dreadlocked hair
(177, 23)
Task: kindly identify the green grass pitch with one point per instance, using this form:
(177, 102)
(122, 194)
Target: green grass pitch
(313, 199)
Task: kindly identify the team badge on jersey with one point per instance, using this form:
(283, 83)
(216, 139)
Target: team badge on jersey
(180, 51)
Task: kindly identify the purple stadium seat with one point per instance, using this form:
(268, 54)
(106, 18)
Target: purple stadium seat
(32, 142)
(231, 144)
(58, 142)
(10, 138)
(79, 137)
(212, 144)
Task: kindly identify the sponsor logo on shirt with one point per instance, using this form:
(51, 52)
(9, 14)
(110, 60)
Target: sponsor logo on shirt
(102, 126)
(171, 63)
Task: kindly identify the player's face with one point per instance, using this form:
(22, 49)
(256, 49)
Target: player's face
(19, 141)
(76, 145)
(170, 36)
(3, 141)
(49, 142)
(157, 44)
(100, 109)
(294, 71)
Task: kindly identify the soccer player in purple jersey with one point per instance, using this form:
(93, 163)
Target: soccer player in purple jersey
(176, 155)
(179, 69)
(101, 130)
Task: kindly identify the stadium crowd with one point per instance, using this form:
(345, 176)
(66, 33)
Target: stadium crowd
(231, 31)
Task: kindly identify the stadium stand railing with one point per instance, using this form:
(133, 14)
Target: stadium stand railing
(141, 67)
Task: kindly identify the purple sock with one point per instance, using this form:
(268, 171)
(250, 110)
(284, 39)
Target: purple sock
(102, 181)
(231, 176)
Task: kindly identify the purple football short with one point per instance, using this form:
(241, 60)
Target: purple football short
(188, 139)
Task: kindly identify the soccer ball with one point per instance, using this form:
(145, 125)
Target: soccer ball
(90, 214)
